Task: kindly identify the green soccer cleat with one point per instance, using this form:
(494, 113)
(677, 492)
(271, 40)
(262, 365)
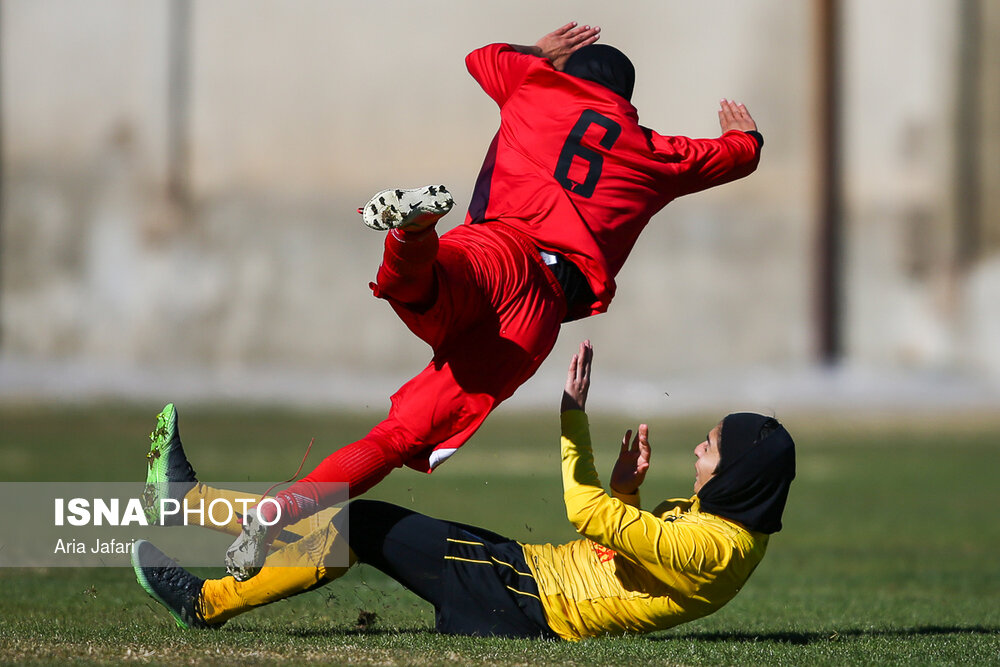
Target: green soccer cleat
(169, 475)
(411, 210)
(169, 584)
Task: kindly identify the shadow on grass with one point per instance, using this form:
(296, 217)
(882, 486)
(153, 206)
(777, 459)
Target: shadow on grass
(801, 638)
(794, 638)
(367, 632)
(305, 633)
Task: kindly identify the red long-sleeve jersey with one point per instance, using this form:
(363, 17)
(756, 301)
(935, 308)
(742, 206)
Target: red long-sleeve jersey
(572, 168)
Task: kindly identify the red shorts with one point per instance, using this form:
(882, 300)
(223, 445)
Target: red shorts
(495, 318)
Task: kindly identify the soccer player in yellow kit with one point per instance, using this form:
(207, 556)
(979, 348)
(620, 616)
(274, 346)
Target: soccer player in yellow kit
(633, 571)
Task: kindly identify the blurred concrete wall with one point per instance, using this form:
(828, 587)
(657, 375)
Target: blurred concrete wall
(919, 145)
(273, 122)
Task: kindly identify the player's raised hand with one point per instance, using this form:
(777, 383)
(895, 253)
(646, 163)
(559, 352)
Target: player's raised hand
(560, 44)
(633, 462)
(733, 116)
(578, 379)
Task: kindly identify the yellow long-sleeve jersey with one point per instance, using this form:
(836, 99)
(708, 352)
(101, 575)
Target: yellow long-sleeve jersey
(635, 571)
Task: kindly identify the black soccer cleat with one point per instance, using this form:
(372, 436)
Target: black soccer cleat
(169, 584)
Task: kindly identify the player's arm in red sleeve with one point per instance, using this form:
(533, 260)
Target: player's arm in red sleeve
(500, 68)
(710, 162)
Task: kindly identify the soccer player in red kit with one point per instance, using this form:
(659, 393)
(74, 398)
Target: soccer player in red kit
(568, 184)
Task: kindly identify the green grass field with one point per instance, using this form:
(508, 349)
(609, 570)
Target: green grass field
(889, 553)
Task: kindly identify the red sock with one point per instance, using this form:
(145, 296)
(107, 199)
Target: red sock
(407, 270)
(361, 465)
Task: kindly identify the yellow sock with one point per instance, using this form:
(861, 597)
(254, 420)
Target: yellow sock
(202, 495)
(312, 561)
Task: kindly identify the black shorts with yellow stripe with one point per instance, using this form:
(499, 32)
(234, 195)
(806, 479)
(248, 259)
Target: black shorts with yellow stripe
(477, 580)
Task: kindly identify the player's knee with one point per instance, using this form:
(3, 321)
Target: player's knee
(362, 511)
(397, 444)
(370, 522)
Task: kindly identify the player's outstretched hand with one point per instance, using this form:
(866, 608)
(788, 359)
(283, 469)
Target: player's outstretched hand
(560, 44)
(578, 379)
(633, 462)
(733, 116)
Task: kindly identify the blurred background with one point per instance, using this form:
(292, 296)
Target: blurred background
(179, 183)
(180, 180)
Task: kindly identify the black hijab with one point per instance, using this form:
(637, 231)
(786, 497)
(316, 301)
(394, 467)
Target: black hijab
(756, 467)
(605, 65)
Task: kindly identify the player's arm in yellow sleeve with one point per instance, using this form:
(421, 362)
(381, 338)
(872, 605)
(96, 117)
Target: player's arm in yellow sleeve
(627, 498)
(610, 522)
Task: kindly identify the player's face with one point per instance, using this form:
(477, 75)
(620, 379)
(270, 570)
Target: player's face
(707, 460)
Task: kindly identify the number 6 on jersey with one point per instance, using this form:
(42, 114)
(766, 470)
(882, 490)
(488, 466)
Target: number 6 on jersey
(573, 148)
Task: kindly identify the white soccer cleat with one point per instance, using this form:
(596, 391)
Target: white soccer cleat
(410, 210)
(246, 555)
